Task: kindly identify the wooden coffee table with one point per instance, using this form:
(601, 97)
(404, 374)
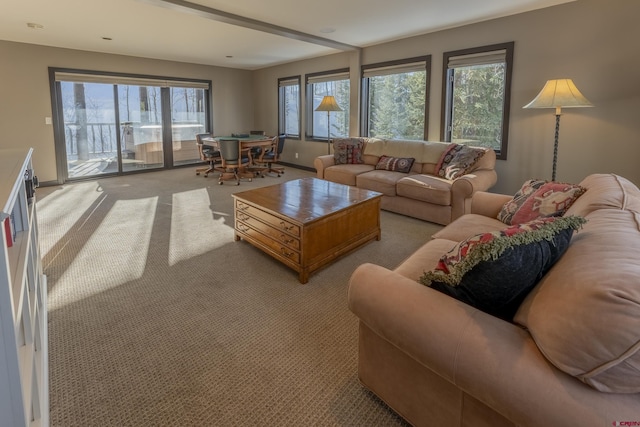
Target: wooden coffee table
(307, 223)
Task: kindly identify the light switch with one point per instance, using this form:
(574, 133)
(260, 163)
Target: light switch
(47, 120)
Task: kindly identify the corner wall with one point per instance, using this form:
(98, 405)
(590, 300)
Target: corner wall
(25, 98)
(591, 41)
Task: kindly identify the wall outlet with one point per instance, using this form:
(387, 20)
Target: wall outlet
(296, 155)
(47, 120)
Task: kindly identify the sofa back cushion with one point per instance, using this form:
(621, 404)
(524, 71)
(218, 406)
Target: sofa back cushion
(422, 151)
(584, 315)
(606, 191)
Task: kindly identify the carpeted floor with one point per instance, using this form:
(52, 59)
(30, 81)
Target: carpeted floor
(157, 317)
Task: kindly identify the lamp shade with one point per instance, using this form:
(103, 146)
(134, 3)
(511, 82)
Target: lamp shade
(561, 93)
(328, 104)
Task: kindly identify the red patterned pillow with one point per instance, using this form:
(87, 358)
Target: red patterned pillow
(539, 198)
(347, 151)
(396, 164)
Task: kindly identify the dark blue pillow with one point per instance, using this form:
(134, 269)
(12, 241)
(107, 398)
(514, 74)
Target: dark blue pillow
(499, 287)
(495, 271)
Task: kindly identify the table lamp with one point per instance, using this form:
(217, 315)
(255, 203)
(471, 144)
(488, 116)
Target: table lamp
(557, 94)
(328, 104)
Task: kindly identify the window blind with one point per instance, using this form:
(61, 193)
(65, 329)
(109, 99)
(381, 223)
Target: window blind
(483, 58)
(61, 76)
(342, 75)
(294, 81)
(394, 69)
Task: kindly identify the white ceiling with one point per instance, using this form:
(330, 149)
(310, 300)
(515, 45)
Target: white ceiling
(172, 30)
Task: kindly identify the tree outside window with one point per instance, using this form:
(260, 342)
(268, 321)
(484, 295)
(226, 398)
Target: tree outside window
(336, 84)
(289, 106)
(476, 96)
(395, 99)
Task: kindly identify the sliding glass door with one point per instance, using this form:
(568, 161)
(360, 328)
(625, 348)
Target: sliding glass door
(89, 128)
(141, 130)
(117, 124)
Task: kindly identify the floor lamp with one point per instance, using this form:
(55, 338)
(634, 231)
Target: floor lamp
(557, 94)
(328, 104)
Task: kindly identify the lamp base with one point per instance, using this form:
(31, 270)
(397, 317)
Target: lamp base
(555, 147)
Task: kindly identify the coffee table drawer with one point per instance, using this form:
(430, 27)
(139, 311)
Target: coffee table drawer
(274, 234)
(246, 212)
(279, 249)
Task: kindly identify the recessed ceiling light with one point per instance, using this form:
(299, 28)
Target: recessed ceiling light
(35, 26)
(327, 30)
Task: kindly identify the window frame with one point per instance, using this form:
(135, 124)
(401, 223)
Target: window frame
(282, 123)
(309, 99)
(445, 130)
(364, 100)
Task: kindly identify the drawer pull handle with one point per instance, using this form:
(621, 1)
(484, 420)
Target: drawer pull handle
(285, 240)
(243, 228)
(284, 225)
(285, 253)
(243, 207)
(243, 217)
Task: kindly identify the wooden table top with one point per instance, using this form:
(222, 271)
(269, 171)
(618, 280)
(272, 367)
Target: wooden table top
(308, 199)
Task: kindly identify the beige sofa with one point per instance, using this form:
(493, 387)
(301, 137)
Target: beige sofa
(419, 193)
(570, 358)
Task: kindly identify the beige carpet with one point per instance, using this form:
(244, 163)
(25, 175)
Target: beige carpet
(158, 318)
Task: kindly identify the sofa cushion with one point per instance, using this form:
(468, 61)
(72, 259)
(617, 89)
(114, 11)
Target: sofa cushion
(606, 191)
(468, 225)
(495, 271)
(396, 164)
(379, 180)
(426, 188)
(585, 314)
(347, 151)
(422, 151)
(457, 160)
(539, 198)
(345, 174)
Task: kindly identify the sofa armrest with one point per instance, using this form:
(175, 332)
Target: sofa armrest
(465, 186)
(323, 162)
(492, 360)
(488, 204)
(422, 322)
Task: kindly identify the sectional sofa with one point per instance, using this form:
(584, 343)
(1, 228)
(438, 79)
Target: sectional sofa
(569, 357)
(431, 189)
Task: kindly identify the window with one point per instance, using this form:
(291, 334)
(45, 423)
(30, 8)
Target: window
(394, 98)
(115, 123)
(335, 83)
(476, 93)
(289, 106)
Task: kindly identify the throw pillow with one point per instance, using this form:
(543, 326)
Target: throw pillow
(495, 271)
(397, 164)
(457, 160)
(347, 151)
(539, 198)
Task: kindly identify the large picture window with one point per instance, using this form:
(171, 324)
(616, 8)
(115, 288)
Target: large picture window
(476, 93)
(289, 106)
(395, 99)
(334, 83)
(116, 123)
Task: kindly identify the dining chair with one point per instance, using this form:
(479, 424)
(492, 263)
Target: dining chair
(207, 154)
(255, 151)
(272, 155)
(234, 161)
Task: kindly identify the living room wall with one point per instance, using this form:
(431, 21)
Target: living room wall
(25, 98)
(592, 42)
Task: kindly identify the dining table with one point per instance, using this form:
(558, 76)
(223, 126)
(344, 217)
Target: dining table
(247, 141)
